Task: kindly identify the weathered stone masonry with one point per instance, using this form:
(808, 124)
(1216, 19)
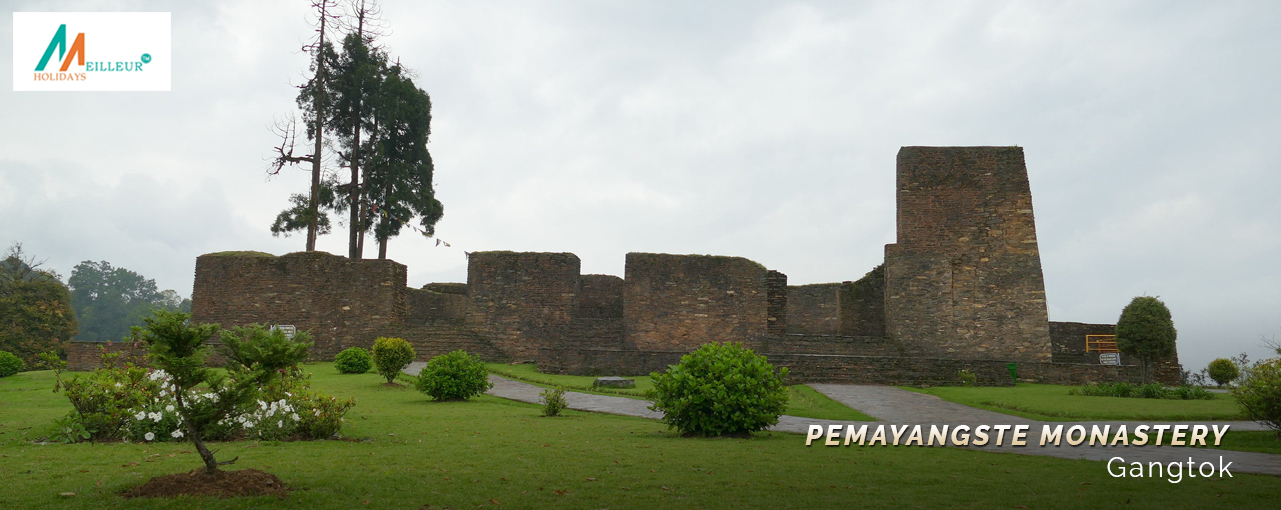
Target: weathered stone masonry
(961, 288)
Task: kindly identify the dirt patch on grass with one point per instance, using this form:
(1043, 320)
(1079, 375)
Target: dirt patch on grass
(223, 484)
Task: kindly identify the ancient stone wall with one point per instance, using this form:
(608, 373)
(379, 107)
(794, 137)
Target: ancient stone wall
(522, 301)
(776, 303)
(600, 296)
(831, 344)
(679, 302)
(862, 305)
(964, 278)
(855, 369)
(341, 302)
(431, 340)
(814, 309)
(88, 355)
(431, 307)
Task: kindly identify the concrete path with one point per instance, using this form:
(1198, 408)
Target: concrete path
(894, 406)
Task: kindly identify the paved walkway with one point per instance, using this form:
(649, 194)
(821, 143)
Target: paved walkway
(894, 406)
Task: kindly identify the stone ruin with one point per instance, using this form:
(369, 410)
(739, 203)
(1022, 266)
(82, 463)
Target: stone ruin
(961, 288)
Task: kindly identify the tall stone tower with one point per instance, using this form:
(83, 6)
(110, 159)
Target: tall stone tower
(964, 278)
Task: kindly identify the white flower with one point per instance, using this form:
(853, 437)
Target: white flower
(317, 411)
(149, 436)
(118, 385)
(156, 416)
(163, 393)
(280, 424)
(177, 433)
(140, 416)
(169, 408)
(240, 418)
(295, 417)
(249, 424)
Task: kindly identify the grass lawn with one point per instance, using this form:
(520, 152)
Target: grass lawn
(409, 452)
(1050, 402)
(803, 401)
(1250, 441)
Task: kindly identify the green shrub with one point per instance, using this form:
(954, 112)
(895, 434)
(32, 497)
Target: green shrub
(353, 360)
(102, 400)
(720, 389)
(1125, 389)
(391, 355)
(454, 376)
(10, 364)
(1223, 371)
(1259, 395)
(553, 401)
(269, 350)
(968, 377)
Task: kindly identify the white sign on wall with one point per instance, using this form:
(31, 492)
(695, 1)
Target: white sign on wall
(289, 330)
(1109, 358)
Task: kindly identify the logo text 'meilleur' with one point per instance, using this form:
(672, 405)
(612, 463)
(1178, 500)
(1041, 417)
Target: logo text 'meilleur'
(91, 51)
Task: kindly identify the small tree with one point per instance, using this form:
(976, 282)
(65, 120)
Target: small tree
(454, 376)
(1223, 371)
(179, 347)
(1145, 330)
(1260, 394)
(720, 389)
(391, 355)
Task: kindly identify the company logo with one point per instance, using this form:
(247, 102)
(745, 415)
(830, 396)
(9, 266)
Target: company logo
(109, 51)
(59, 43)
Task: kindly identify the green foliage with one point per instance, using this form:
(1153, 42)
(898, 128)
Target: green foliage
(1146, 330)
(353, 360)
(720, 389)
(553, 400)
(1150, 390)
(1259, 395)
(968, 377)
(111, 300)
(269, 350)
(10, 364)
(101, 400)
(454, 376)
(391, 355)
(297, 218)
(1223, 371)
(35, 308)
(399, 170)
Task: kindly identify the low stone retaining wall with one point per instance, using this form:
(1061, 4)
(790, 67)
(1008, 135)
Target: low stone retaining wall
(833, 368)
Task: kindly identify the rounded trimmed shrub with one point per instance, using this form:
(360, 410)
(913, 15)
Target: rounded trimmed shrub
(719, 390)
(454, 376)
(1223, 371)
(391, 355)
(10, 364)
(1259, 395)
(353, 360)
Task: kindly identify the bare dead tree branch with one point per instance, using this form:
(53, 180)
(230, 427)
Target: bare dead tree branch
(287, 129)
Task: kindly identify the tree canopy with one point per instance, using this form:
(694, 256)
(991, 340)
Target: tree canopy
(110, 300)
(35, 308)
(379, 122)
(1146, 330)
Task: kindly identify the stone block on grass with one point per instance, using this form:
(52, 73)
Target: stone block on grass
(614, 382)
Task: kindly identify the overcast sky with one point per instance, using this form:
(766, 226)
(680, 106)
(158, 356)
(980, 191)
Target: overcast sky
(767, 130)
